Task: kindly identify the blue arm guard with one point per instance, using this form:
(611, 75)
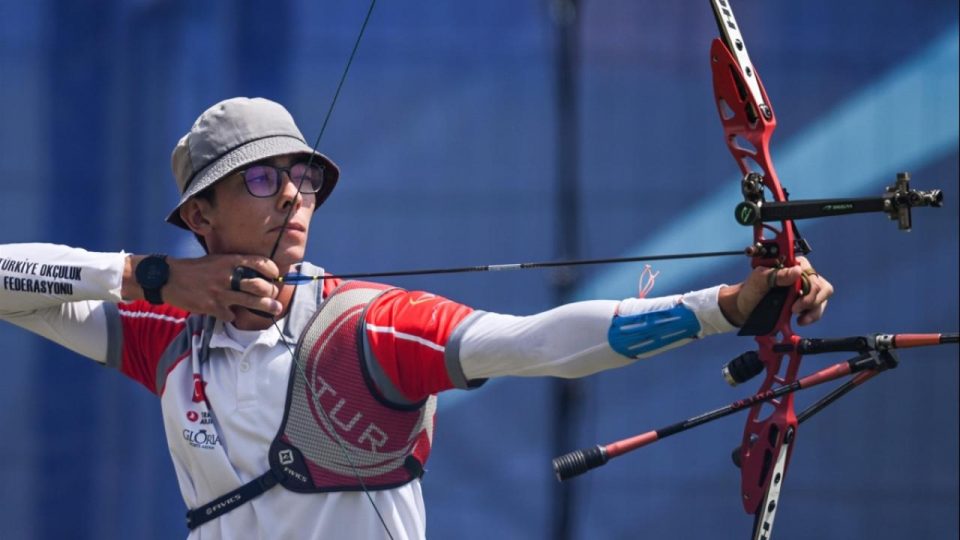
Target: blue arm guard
(635, 335)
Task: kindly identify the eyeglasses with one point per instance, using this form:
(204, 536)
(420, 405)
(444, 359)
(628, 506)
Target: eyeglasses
(265, 180)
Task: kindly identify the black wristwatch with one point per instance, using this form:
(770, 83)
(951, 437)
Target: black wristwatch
(152, 274)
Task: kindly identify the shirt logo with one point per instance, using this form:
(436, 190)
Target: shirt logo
(199, 395)
(422, 299)
(203, 439)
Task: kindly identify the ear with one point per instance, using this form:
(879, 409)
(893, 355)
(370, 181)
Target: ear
(197, 214)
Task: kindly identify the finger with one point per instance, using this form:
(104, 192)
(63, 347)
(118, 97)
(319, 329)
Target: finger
(786, 277)
(820, 291)
(804, 304)
(239, 274)
(812, 315)
(262, 265)
(246, 279)
(814, 306)
(249, 301)
(823, 292)
(259, 287)
(808, 302)
(809, 291)
(805, 286)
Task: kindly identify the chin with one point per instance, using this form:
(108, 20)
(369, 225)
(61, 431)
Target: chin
(290, 254)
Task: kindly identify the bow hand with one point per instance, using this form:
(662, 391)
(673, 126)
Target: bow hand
(738, 302)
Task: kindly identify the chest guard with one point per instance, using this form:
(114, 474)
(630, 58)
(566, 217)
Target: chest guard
(338, 432)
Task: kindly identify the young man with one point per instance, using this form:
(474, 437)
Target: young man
(215, 337)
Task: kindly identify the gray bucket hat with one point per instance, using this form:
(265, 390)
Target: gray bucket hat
(234, 133)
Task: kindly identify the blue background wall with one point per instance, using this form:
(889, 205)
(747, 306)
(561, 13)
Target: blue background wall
(445, 134)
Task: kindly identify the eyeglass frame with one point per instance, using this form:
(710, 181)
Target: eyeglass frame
(279, 170)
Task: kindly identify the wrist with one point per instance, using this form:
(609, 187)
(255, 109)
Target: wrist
(129, 288)
(727, 301)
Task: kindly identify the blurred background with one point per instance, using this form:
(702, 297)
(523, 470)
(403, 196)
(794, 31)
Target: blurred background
(462, 128)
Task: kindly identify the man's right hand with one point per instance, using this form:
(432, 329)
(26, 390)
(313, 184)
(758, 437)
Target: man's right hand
(203, 285)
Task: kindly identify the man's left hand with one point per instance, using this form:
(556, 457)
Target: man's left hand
(738, 301)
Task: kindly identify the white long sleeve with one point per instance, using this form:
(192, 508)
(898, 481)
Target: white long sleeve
(58, 292)
(571, 340)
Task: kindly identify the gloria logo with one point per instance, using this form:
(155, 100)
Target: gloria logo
(207, 440)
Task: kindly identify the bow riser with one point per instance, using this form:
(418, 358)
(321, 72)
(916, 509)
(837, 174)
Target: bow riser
(742, 121)
(748, 127)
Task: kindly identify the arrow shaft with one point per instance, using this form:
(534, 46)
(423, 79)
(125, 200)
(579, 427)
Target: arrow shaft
(295, 278)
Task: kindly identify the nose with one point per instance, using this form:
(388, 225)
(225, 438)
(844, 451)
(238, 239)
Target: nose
(289, 192)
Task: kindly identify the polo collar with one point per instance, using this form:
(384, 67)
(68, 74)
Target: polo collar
(304, 304)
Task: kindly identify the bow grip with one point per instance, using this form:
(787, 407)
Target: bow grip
(763, 319)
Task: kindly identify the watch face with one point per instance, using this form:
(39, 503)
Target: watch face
(152, 275)
(152, 272)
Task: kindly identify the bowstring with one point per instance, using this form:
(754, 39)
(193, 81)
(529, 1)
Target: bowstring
(276, 245)
(326, 120)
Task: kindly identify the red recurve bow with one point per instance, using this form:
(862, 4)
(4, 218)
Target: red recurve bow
(770, 432)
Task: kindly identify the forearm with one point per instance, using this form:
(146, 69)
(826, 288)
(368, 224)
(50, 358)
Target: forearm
(60, 293)
(38, 276)
(575, 340)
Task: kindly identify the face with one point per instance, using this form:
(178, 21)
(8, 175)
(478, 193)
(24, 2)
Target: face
(237, 222)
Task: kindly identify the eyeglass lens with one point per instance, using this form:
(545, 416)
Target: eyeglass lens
(265, 180)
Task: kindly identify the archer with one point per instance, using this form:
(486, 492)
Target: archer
(236, 354)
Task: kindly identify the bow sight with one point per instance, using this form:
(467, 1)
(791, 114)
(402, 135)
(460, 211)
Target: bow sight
(896, 202)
